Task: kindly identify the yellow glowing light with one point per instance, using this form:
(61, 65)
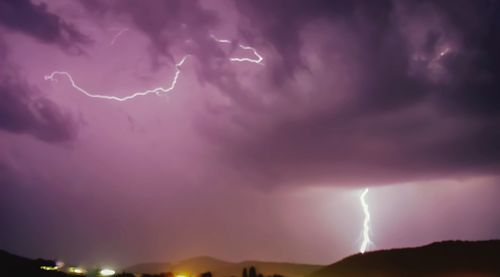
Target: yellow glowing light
(106, 272)
(76, 270)
(181, 275)
(45, 267)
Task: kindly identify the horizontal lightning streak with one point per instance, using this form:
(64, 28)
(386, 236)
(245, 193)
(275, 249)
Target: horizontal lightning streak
(158, 90)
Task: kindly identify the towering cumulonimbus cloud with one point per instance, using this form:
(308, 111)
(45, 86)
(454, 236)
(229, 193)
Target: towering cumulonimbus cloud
(348, 86)
(361, 91)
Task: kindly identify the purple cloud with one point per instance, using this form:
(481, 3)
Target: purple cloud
(403, 91)
(36, 21)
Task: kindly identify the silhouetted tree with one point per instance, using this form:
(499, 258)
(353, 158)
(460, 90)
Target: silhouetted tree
(260, 275)
(206, 274)
(252, 272)
(163, 274)
(124, 274)
(244, 272)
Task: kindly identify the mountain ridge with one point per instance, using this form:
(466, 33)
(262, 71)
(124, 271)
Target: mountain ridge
(445, 258)
(219, 267)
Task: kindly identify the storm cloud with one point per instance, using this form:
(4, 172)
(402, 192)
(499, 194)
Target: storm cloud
(366, 92)
(35, 20)
(246, 160)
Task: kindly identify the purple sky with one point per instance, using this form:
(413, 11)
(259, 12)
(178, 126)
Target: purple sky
(243, 160)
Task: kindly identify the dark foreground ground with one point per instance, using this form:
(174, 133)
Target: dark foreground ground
(449, 258)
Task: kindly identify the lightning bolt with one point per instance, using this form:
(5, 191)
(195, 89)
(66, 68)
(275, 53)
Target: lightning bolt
(366, 223)
(157, 91)
(259, 59)
(115, 37)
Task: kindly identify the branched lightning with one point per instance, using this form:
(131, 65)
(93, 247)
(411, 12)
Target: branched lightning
(366, 223)
(157, 91)
(258, 60)
(115, 37)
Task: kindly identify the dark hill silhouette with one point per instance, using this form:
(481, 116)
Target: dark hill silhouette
(448, 258)
(150, 268)
(196, 264)
(12, 265)
(221, 268)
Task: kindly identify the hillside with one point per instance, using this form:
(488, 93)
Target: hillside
(223, 268)
(150, 268)
(12, 265)
(449, 258)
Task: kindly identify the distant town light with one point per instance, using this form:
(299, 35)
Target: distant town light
(46, 267)
(77, 270)
(107, 272)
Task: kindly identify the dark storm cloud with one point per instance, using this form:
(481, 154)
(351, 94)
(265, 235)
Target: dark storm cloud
(36, 21)
(176, 23)
(22, 111)
(166, 23)
(418, 97)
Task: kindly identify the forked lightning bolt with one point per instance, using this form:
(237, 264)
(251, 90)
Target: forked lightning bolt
(158, 90)
(366, 223)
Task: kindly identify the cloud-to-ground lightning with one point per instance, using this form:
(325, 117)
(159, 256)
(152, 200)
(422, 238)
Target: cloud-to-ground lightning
(366, 223)
(258, 60)
(158, 90)
(118, 33)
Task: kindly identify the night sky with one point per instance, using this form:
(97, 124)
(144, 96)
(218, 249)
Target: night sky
(244, 159)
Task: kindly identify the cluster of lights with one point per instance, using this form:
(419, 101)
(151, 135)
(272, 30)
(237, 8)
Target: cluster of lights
(50, 268)
(80, 270)
(106, 272)
(59, 265)
(77, 270)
